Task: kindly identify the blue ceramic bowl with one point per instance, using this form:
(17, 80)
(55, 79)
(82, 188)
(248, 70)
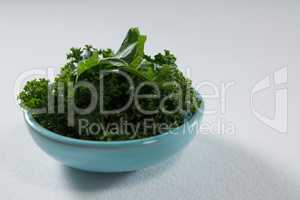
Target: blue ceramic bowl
(115, 156)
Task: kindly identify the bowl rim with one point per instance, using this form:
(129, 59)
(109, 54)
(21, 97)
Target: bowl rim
(32, 123)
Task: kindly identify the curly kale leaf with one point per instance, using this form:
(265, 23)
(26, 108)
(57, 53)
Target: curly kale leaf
(35, 94)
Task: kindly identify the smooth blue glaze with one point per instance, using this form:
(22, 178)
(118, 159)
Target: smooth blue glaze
(114, 156)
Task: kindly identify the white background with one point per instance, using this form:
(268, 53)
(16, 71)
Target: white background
(240, 41)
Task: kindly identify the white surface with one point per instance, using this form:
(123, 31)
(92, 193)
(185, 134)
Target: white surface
(220, 42)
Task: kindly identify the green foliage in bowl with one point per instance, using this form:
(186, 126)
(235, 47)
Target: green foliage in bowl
(95, 85)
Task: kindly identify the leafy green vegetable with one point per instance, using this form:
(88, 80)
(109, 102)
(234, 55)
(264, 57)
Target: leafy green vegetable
(132, 46)
(86, 64)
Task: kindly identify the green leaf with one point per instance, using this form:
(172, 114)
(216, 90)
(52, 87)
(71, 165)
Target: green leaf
(87, 64)
(144, 67)
(132, 46)
(137, 61)
(34, 96)
(117, 62)
(150, 72)
(135, 72)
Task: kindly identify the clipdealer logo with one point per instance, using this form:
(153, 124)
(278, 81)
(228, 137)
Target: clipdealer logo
(277, 82)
